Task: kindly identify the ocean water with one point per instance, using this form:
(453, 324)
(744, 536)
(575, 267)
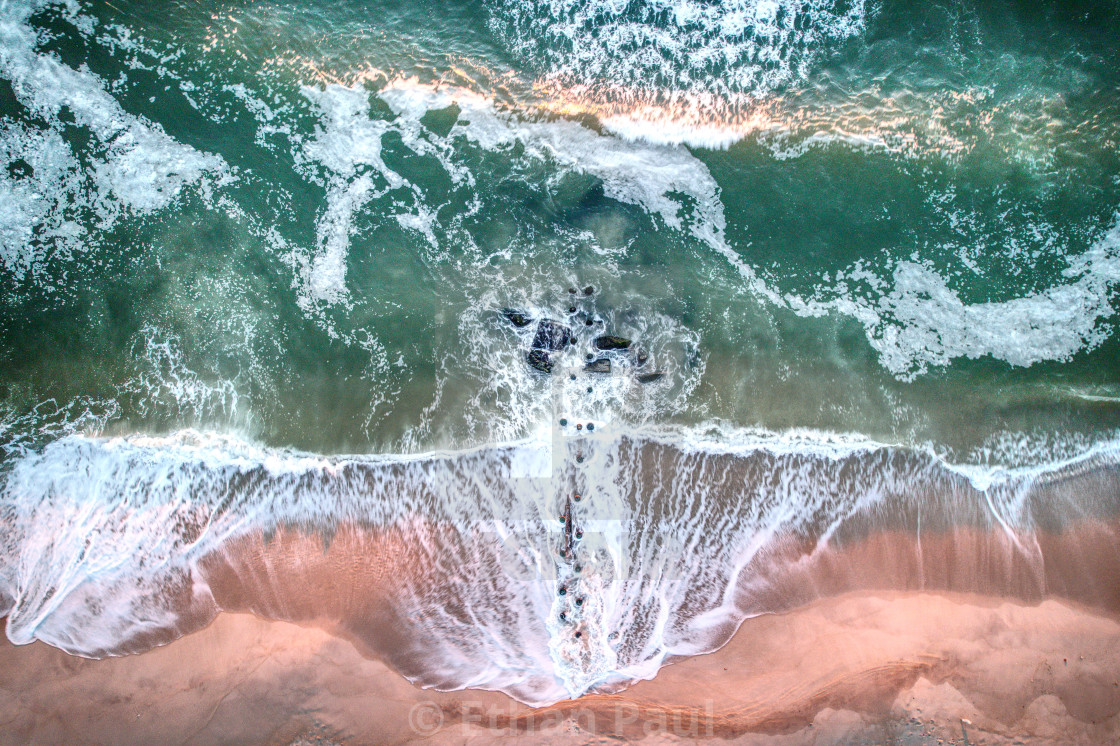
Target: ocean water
(260, 261)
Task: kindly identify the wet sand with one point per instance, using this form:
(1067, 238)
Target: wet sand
(856, 668)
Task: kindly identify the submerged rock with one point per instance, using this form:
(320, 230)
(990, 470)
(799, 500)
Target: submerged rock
(610, 342)
(517, 318)
(650, 377)
(640, 358)
(602, 365)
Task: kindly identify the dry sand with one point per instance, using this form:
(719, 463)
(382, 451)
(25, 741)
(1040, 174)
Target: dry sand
(857, 668)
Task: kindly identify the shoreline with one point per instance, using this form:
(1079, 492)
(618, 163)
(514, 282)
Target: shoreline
(859, 667)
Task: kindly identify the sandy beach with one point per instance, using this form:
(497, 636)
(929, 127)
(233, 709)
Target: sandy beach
(857, 668)
(878, 639)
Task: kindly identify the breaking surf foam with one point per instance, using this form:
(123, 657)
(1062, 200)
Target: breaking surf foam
(545, 568)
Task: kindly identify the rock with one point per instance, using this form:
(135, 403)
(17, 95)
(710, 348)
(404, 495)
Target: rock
(608, 342)
(589, 290)
(551, 336)
(540, 360)
(641, 358)
(650, 377)
(602, 365)
(517, 318)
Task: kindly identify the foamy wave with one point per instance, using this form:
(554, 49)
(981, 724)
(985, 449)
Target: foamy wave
(635, 174)
(649, 51)
(32, 222)
(138, 170)
(110, 545)
(347, 146)
(920, 321)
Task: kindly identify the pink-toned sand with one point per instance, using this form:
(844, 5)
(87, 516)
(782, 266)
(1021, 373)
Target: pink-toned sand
(857, 668)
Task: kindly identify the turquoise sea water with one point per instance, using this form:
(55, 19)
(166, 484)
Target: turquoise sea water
(235, 234)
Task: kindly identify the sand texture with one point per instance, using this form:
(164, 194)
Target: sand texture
(857, 668)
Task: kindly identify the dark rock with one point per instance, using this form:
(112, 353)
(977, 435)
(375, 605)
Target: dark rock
(517, 318)
(540, 360)
(571, 309)
(609, 342)
(650, 377)
(641, 358)
(589, 322)
(571, 291)
(590, 289)
(551, 336)
(602, 365)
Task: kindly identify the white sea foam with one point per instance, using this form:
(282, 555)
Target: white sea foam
(648, 175)
(915, 318)
(650, 50)
(37, 214)
(921, 321)
(637, 174)
(164, 384)
(103, 537)
(347, 146)
(138, 170)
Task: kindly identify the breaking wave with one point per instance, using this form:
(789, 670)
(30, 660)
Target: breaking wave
(547, 568)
